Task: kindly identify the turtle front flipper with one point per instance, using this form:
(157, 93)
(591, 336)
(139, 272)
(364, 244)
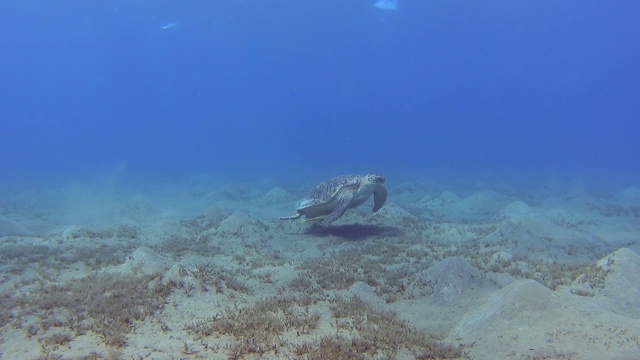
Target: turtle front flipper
(379, 198)
(342, 206)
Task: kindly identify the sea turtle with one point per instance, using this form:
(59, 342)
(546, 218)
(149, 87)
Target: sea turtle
(331, 198)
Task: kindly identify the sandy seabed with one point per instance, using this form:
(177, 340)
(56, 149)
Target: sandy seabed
(197, 271)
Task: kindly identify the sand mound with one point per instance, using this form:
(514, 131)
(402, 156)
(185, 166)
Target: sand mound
(146, 261)
(240, 224)
(275, 196)
(486, 201)
(76, 232)
(516, 208)
(631, 193)
(446, 198)
(517, 311)
(408, 186)
(236, 192)
(367, 294)
(392, 213)
(10, 227)
(214, 217)
(408, 193)
(523, 301)
(575, 202)
(623, 282)
(526, 232)
(135, 210)
(620, 234)
(451, 279)
(564, 219)
(480, 205)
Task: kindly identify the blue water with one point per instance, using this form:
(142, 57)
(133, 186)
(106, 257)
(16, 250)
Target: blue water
(318, 88)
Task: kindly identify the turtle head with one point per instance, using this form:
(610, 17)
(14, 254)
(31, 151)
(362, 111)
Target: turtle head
(376, 183)
(374, 178)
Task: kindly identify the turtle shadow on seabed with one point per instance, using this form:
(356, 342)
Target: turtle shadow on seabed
(352, 232)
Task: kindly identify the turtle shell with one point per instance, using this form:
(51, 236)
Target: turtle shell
(328, 191)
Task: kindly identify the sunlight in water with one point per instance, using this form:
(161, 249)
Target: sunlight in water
(169, 26)
(386, 4)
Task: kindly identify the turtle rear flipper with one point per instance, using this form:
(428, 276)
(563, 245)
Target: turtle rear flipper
(317, 218)
(292, 217)
(342, 206)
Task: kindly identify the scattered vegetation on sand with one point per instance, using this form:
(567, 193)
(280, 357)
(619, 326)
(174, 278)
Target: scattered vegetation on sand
(285, 325)
(548, 274)
(220, 279)
(16, 257)
(364, 332)
(108, 305)
(256, 329)
(178, 246)
(345, 268)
